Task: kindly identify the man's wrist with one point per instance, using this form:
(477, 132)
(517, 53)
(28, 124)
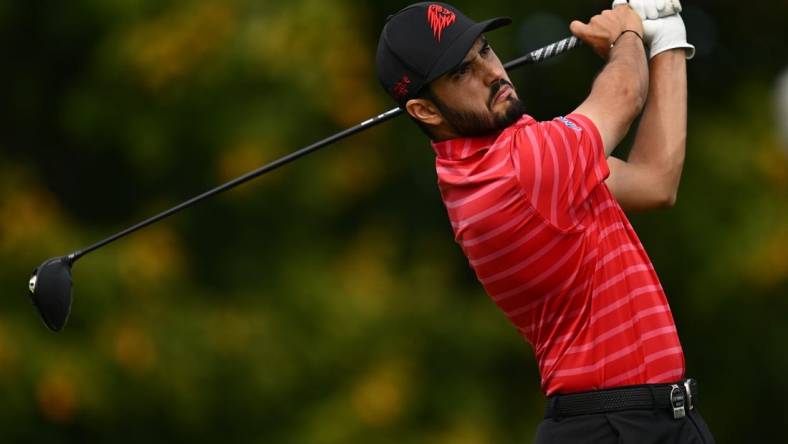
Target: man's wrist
(627, 31)
(675, 53)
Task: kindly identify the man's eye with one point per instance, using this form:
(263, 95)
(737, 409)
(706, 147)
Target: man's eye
(461, 72)
(486, 49)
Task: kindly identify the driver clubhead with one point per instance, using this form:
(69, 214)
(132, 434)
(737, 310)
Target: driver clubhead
(50, 290)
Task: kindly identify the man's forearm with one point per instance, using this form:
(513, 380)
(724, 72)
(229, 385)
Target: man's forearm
(619, 92)
(661, 136)
(626, 69)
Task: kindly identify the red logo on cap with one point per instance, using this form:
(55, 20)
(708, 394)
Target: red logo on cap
(400, 88)
(439, 19)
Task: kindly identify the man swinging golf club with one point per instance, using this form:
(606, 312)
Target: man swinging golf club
(537, 207)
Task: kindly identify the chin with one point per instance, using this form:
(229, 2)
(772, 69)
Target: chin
(511, 112)
(512, 104)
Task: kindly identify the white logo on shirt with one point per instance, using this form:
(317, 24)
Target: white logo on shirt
(569, 123)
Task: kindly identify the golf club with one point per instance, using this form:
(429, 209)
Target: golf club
(50, 284)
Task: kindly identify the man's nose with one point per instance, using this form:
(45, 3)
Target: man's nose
(493, 72)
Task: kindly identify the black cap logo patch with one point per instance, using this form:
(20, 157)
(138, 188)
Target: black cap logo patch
(400, 89)
(439, 18)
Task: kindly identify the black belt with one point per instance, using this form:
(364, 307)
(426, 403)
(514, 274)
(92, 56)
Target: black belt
(678, 398)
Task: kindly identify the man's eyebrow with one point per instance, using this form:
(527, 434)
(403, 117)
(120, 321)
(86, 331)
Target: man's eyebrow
(465, 63)
(460, 67)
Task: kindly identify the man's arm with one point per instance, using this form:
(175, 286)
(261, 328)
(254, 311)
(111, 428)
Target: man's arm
(650, 176)
(619, 92)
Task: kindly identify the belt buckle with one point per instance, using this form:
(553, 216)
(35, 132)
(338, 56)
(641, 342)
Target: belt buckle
(677, 401)
(688, 390)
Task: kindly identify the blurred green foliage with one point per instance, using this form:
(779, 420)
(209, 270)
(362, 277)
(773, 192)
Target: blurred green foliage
(327, 302)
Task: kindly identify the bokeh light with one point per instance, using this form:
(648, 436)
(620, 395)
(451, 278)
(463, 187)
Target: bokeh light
(781, 100)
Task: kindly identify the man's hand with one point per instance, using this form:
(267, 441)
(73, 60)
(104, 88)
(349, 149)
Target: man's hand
(652, 9)
(604, 29)
(664, 28)
(666, 33)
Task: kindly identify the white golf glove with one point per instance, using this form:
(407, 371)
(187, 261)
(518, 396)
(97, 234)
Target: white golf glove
(652, 9)
(666, 33)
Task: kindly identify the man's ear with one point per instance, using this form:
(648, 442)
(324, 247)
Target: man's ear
(424, 111)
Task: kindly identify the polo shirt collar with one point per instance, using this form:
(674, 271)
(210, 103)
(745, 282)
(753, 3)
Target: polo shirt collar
(465, 147)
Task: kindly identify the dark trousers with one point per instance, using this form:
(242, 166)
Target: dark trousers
(627, 427)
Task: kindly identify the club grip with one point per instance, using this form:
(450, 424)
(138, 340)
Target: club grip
(545, 53)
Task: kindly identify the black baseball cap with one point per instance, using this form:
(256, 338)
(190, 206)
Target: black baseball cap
(422, 42)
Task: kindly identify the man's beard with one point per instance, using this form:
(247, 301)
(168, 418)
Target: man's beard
(471, 124)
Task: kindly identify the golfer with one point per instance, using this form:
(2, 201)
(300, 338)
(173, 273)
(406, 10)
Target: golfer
(537, 207)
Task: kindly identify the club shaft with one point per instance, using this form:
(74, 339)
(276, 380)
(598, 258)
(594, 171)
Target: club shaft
(388, 115)
(536, 56)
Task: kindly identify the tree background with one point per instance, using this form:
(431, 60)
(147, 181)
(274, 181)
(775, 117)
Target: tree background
(327, 302)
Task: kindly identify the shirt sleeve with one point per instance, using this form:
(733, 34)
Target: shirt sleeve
(561, 162)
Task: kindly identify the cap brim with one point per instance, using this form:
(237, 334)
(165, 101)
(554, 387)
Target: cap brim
(456, 53)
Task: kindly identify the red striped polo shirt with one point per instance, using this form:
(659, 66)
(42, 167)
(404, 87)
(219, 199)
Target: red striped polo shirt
(554, 250)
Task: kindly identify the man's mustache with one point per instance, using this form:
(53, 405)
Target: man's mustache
(495, 88)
